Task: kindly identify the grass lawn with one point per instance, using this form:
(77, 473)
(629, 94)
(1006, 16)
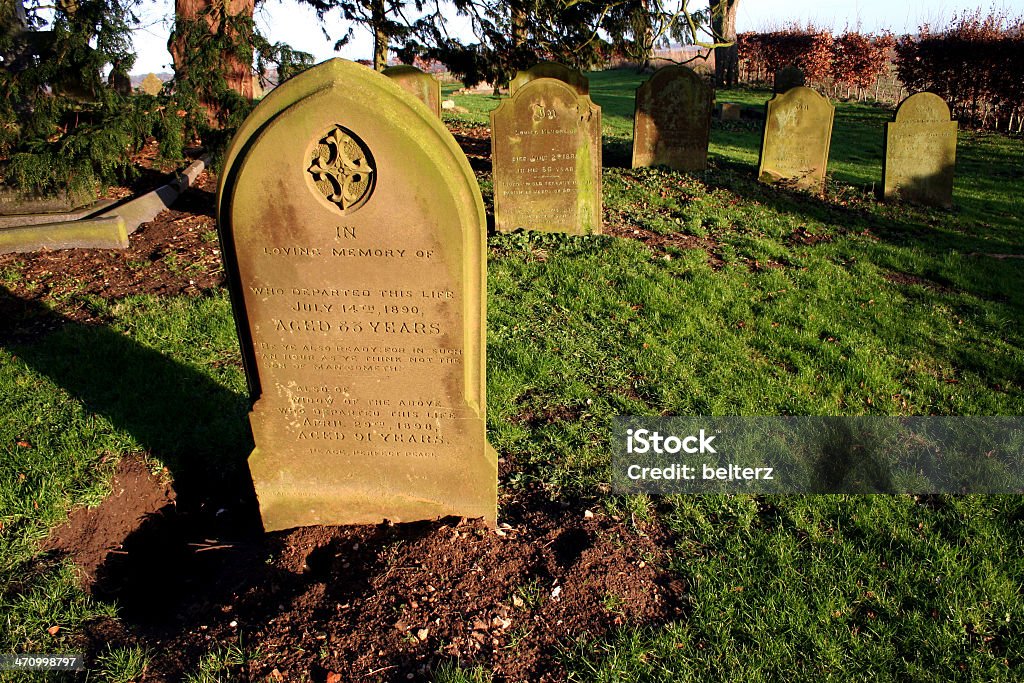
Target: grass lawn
(788, 304)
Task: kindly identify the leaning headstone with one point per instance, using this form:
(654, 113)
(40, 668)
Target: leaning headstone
(422, 85)
(920, 152)
(787, 78)
(151, 85)
(672, 120)
(353, 233)
(797, 134)
(546, 156)
(574, 78)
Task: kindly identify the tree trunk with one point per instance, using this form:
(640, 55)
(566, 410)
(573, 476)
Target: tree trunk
(727, 59)
(645, 36)
(13, 23)
(380, 37)
(236, 65)
(518, 18)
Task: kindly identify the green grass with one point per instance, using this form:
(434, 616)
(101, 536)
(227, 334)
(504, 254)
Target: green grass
(896, 311)
(123, 664)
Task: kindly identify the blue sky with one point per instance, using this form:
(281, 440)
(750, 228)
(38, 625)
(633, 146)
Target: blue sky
(290, 22)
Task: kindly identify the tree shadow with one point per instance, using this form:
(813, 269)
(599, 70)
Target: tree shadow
(903, 226)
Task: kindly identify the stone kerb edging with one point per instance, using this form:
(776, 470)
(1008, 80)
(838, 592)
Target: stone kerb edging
(106, 226)
(27, 220)
(143, 209)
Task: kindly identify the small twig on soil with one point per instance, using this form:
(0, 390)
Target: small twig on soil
(200, 547)
(377, 671)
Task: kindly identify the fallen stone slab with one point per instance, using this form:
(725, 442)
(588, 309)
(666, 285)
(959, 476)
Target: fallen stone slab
(143, 209)
(134, 211)
(91, 233)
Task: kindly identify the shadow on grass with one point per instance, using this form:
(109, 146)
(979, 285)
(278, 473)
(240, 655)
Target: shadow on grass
(932, 232)
(192, 424)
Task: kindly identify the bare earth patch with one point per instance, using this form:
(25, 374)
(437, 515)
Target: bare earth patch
(93, 537)
(177, 253)
(386, 602)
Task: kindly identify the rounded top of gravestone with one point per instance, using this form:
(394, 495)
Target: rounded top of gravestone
(543, 89)
(555, 85)
(923, 107)
(574, 78)
(328, 74)
(672, 72)
(802, 94)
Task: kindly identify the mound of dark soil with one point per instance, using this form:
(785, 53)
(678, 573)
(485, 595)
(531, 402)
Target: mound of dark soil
(386, 602)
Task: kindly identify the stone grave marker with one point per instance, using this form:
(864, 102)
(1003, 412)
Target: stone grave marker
(353, 233)
(151, 84)
(546, 156)
(422, 85)
(730, 111)
(797, 134)
(788, 77)
(672, 120)
(574, 78)
(920, 152)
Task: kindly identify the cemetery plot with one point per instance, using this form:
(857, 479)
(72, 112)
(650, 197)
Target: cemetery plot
(728, 296)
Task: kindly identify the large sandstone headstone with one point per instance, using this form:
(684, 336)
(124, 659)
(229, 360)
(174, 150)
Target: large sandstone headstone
(574, 78)
(797, 134)
(920, 152)
(546, 156)
(422, 85)
(353, 233)
(672, 121)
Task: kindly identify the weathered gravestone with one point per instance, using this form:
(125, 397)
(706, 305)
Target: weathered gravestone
(546, 156)
(353, 235)
(151, 84)
(920, 152)
(422, 85)
(672, 120)
(787, 78)
(574, 78)
(797, 134)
